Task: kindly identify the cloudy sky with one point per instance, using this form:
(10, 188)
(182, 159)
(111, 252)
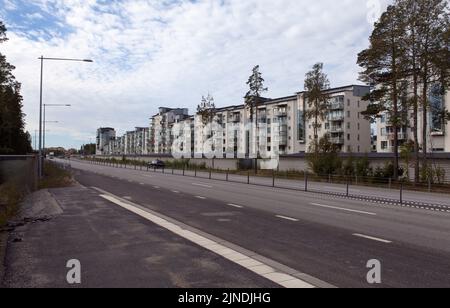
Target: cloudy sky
(153, 53)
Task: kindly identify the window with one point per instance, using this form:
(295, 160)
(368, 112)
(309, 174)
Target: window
(359, 149)
(384, 145)
(348, 125)
(359, 104)
(348, 114)
(348, 102)
(359, 126)
(359, 137)
(348, 137)
(300, 126)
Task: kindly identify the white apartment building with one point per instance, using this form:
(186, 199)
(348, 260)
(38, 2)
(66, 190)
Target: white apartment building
(278, 127)
(162, 125)
(104, 137)
(282, 128)
(438, 131)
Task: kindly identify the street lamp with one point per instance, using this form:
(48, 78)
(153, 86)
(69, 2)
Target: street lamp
(42, 58)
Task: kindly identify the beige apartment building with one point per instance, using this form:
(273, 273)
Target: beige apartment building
(438, 131)
(282, 129)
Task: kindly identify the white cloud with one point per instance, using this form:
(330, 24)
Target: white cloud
(152, 53)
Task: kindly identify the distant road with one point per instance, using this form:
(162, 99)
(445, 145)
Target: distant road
(329, 238)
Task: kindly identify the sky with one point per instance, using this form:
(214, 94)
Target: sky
(149, 54)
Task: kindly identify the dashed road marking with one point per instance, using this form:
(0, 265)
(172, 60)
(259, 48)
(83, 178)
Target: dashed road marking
(287, 218)
(202, 185)
(200, 197)
(372, 238)
(235, 205)
(343, 209)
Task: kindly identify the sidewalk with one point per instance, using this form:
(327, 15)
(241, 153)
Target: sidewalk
(115, 247)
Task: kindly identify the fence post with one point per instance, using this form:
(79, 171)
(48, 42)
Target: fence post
(390, 183)
(273, 178)
(429, 184)
(228, 171)
(329, 178)
(401, 193)
(306, 181)
(184, 169)
(210, 173)
(248, 178)
(195, 171)
(173, 170)
(348, 187)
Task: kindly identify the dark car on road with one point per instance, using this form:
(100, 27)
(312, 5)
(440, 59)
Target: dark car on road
(157, 164)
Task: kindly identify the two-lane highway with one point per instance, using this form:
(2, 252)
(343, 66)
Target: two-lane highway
(331, 239)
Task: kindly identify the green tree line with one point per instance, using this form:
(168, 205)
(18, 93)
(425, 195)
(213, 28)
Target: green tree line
(13, 138)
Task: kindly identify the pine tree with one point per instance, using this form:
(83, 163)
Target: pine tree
(253, 96)
(316, 84)
(383, 69)
(13, 138)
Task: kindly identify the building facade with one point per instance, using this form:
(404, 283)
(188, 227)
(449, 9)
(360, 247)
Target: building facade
(275, 127)
(105, 136)
(438, 140)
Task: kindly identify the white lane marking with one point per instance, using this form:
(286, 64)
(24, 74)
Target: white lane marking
(343, 209)
(372, 238)
(235, 205)
(202, 185)
(156, 187)
(142, 184)
(286, 218)
(249, 263)
(175, 191)
(200, 197)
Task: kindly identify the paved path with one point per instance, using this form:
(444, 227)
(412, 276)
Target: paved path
(116, 248)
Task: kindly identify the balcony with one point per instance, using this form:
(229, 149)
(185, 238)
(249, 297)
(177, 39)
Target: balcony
(280, 112)
(401, 136)
(336, 129)
(283, 141)
(336, 106)
(337, 140)
(235, 118)
(336, 117)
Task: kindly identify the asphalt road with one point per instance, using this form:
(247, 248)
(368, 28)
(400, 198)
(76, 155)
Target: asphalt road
(329, 238)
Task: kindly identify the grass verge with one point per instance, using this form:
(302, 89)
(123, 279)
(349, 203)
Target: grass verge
(55, 177)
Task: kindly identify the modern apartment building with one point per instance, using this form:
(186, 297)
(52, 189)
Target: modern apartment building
(162, 125)
(105, 136)
(275, 127)
(438, 130)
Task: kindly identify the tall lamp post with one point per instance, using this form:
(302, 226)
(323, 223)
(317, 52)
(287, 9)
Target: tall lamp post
(42, 58)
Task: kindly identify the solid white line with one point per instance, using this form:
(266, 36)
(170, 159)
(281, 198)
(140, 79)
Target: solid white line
(287, 218)
(175, 191)
(343, 209)
(202, 185)
(200, 197)
(249, 263)
(235, 205)
(372, 238)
